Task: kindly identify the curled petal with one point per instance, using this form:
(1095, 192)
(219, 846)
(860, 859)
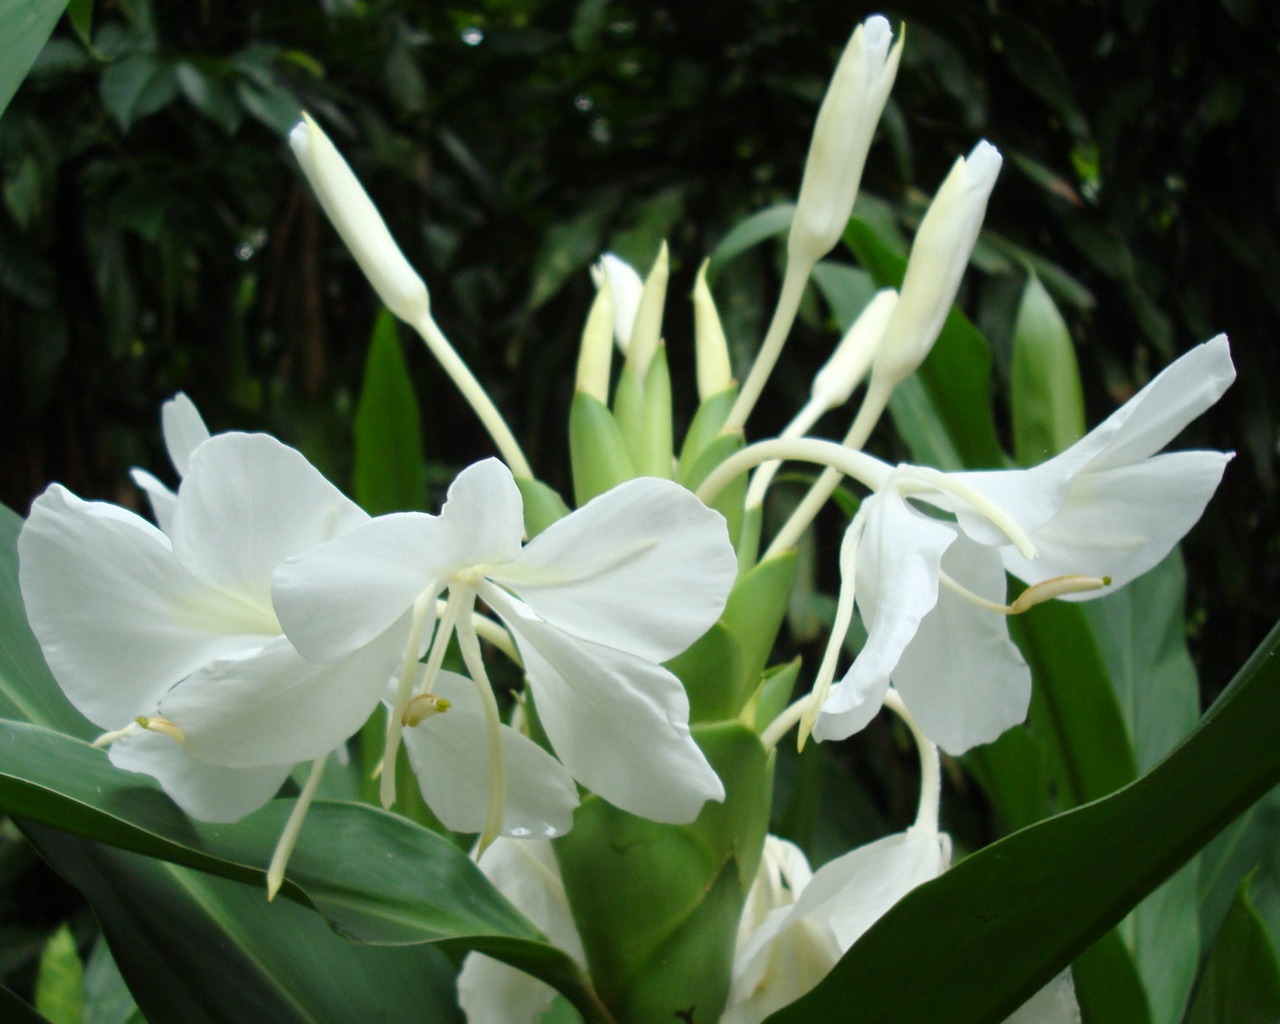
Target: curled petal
(119, 620)
(619, 723)
(449, 752)
(206, 792)
(645, 568)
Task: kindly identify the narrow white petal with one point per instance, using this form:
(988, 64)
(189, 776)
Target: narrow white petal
(118, 619)
(450, 754)
(184, 430)
(644, 568)
(484, 514)
(162, 500)
(626, 286)
(278, 707)
(620, 724)
(526, 873)
(206, 792)
(961, 677)
(1120, 522)
(897, 585)
(247, 503)
(337, 597)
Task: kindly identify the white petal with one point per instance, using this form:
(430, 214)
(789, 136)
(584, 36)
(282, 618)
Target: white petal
(184, 430)
(644, 568)
(450, 754)
(247, 503)
(620, 724)
(526, 873)
(1121, 522)
(206, 792)
(118, 618)
(627, 286)
(961, 677)
(484, 514)
(278, 707)
(337, 597)
(162, 500)
(897, 585)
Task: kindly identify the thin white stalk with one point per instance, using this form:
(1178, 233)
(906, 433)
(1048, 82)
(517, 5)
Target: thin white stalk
(859, 466)
(930, 764)
(469, 644)
(289, 837)
(491, 632)
(798, 427)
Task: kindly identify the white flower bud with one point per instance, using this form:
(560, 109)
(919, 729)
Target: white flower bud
(626, 286)
(357, 220)
(841, 137)
(849, 363)
(646, 332)
(939, 256)
(595, 353)
(710, 347)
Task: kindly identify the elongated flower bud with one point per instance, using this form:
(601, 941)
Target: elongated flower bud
(841, 137)
(647, 330)
(595, 353)
(939, 256)
(357, 220)
(626, 286)
(710, 347)
(834, 383)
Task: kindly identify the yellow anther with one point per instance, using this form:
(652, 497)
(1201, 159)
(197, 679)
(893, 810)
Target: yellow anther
(423, 706)
(161, 725)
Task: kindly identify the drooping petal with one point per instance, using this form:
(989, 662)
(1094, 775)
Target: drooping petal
(644, 568)
(450, 754)
(277, 707)
(897, 585)
(184, 430)
(619, 723)
(118, 619)
(162, 500)
(337, 597)
(206, 792)
(1120, 522)
(483, 514)
(961, 676)
(526, 873)
(247, 503)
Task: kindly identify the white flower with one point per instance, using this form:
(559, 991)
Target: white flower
(595, 603)
(1109, 507)
(176, 626)
(184, 431)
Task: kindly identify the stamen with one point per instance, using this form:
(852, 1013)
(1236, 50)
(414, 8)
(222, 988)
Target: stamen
(930, 764)
(469, 644)
(859, 466)
(423, 609)
(289, 836)
(424, 706)
(1037, 593)
(108, 738)
(936, 479)
(161, 725)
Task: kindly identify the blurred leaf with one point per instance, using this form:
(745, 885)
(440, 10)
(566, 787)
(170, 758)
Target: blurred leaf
(390, 472)
(1108, 988)
(210, 95)
(1000, 924)
(107, 999)
(60, 981)
(15, 1010)
(274, 107)
(1250, 848)
(1241, 981)
(847, 290)
(25, 26)
(568, 247)
(1047, 398)
(757, 228)
(80, 14)
(135, 86)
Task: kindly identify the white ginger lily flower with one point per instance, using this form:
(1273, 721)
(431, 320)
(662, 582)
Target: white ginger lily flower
(1105, 510)
(174, 631)
(595, 603)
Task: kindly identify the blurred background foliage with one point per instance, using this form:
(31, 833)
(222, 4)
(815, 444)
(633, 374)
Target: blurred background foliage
(155, 234)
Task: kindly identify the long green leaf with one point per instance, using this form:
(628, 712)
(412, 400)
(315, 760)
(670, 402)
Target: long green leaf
(998, 926)
(1241, 982)
(25, 26)
(390, 475)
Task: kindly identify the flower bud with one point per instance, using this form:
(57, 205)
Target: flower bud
(711, 349)
(357, 220)
(595, 352)
(626, 286)
(841, 137)
(939, 256)
(848, 364)
(646, 332)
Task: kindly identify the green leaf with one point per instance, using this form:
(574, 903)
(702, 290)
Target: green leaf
(80, 14)
(107, 999)
(1241, 981)
(542, 505)
(754, 613)
(710, 671)
(567, 247)
(1047, 398)
(15, 1010)
(757, 228)
(135, 86)
(658, 905)
(1108, 988)
(196, 949)
(1001, 923)
(60, 980)
(956, 374)
(25, 26)
(390, 473)
(598, 454)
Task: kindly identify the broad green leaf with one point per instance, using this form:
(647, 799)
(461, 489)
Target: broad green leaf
(1045, 390)
(1250, 847)
(1014, 773)
(1004, 921)
(1241, 981)
(711, 670)
(1108, 988)
(957, 372)
(390, 474)
(760, 226)
(25, 26)
(135, 86)
(60, 980)
(15, 1010)
(658, 905)
(195, 948)
(754, 613)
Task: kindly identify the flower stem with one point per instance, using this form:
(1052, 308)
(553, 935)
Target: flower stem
(930, 764)
(845, 462)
